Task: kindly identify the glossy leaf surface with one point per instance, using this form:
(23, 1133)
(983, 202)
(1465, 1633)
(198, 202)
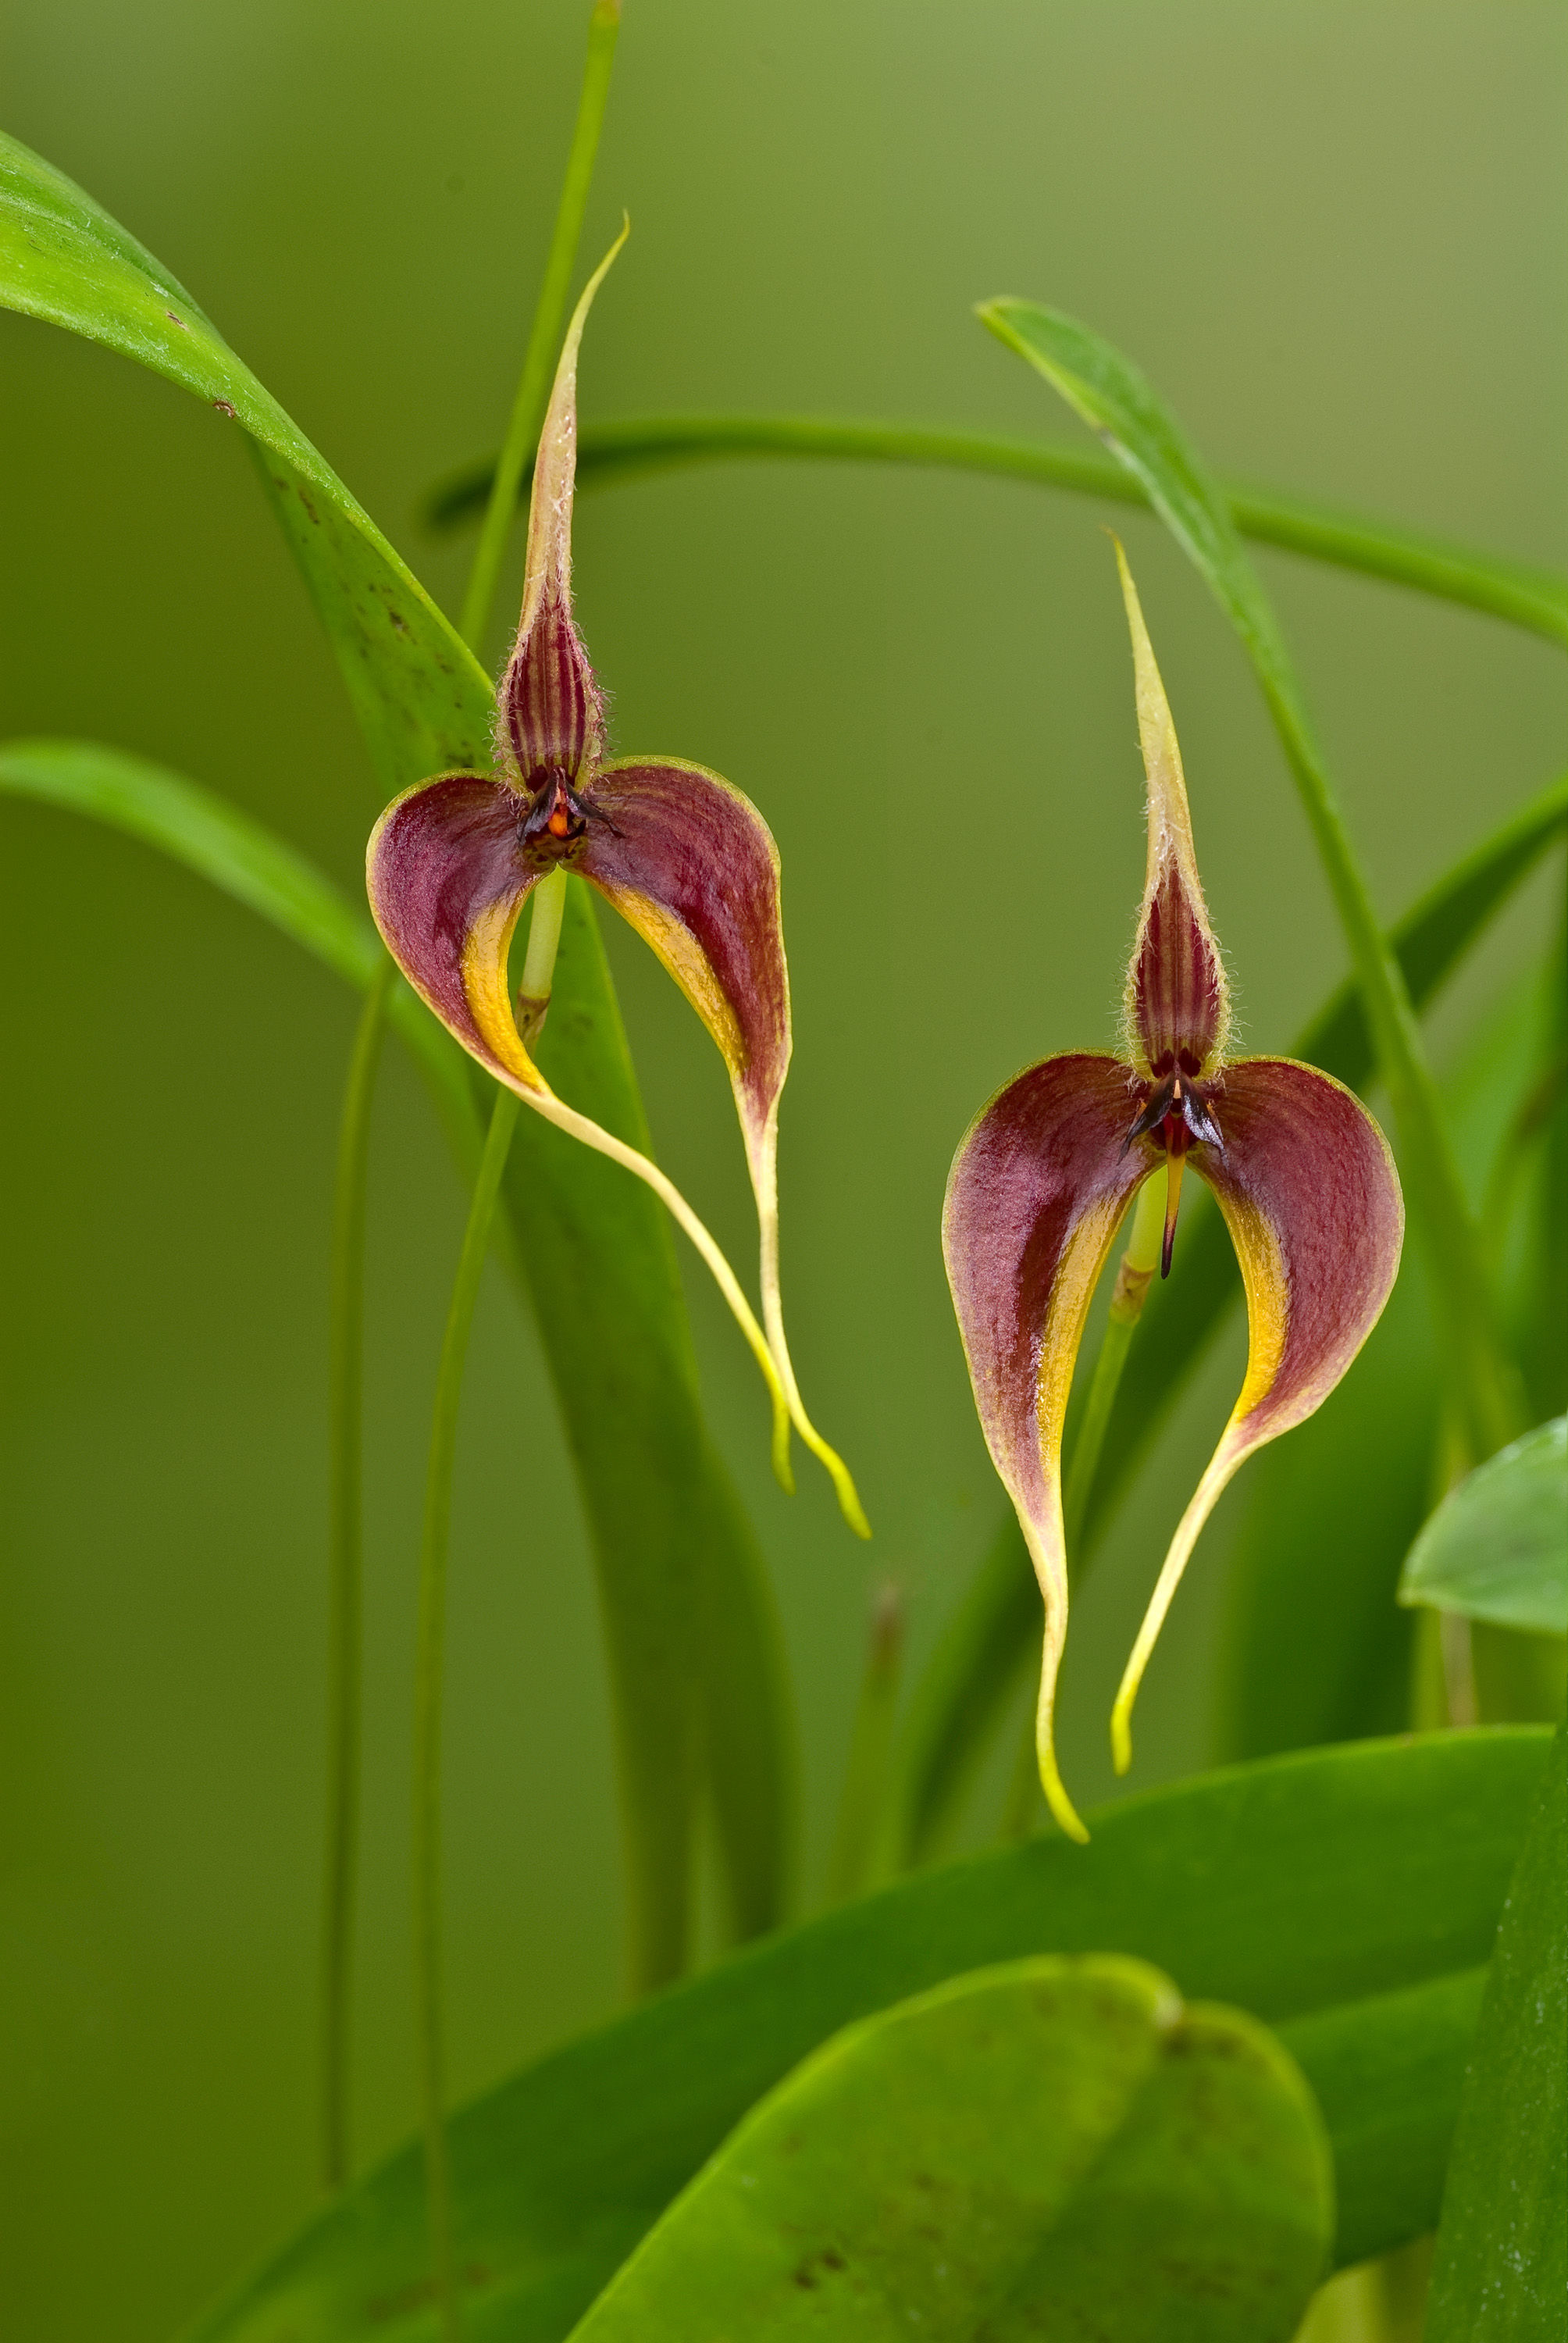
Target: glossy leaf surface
(1497, 1546)
(1290, 1889)
(1501, 2275)
(683, 1586)
(1053, 2147)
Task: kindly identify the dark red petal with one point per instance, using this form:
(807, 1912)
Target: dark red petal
(445, 883)
(695, 869)
(1037, 1191)
(1312, 1199)
(689, 861)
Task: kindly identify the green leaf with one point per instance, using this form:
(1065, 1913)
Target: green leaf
(1290, 1889)
(1115, 400)
(243, 859)
(994, 1633)
(1047, 2147)
(683, 1588)
(1500, 2271)
(1388, 2073)
(1497, 1546)
(635, 446)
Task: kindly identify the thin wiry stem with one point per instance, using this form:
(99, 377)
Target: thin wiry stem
(860, 1835)
(516, 453)
(430, 1650)
(514, 464)
(345, 1571)
(522, 434)
(625, 448)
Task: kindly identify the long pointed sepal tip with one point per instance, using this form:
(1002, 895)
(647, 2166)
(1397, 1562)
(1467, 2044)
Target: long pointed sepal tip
(837, 1472)
(1121, 1732)
(1063, 1812)
(783, 1471)
(850, 1504)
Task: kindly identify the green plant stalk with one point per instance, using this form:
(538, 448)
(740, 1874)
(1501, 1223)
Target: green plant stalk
(429, 1656)
(516, 460)
(1472, 1357)
(689, 1617)
(860, 1839)
(346, 1573)
(627, 448)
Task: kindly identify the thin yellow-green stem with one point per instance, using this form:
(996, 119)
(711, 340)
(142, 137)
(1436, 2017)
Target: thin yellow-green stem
(522, 432)
(544, 337)
(430, 1648)
(860, 1836)
(346, 1573)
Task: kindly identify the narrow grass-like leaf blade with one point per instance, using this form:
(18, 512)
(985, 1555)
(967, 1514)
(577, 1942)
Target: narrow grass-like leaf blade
(632, 447)
(684, 1590)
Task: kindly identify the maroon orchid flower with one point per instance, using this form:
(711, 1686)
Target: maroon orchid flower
(681, 855)
(1047, 1171)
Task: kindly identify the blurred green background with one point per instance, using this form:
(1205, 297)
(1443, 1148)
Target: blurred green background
(1333, 234)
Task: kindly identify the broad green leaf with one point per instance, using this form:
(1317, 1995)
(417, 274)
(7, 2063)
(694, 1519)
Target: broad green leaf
(1388, 2073)
(695, 1652)
(992, 1636)
(1289, 1888)
(1501, 2274)
(1048, 2148)
(1497, 1546)
(1108, 394)
(636, 446)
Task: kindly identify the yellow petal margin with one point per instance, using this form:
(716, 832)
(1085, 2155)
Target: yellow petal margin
(1311, 1199)
(690, 863)
(1036, 1194)
(447, 884)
